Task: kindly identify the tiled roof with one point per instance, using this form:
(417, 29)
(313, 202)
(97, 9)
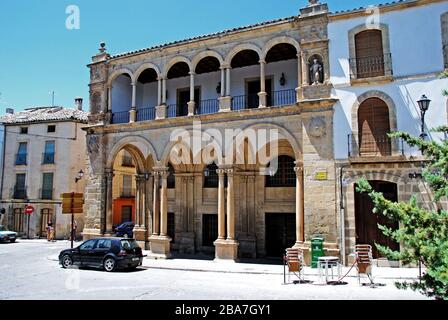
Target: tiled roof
(43, 114)
(364, 8)
(202, 37)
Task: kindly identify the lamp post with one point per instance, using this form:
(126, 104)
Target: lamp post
(423, 104)
(78, 177)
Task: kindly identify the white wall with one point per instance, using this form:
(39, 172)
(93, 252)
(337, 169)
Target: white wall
(415, 41)
(121, 94)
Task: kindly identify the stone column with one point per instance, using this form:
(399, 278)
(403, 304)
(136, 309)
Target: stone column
(300, 213)
(164, 205)
(109, 211)
(109, 99)
(156, 205)
(228, 81)
(221, 205)
(143, 207)
(140, 213)
(137, 200)
(149, 203)
(230, 206)
(223, 85)
(164, 90)
(159, 91)
(262, 94)
(161, 108)
(304, 70)
(299, 69)
(191, 103)
(133, 111)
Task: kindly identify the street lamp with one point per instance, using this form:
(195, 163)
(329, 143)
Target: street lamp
(423, 104)
(79, 176)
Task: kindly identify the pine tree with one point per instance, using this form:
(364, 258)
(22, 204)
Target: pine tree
(423, 233)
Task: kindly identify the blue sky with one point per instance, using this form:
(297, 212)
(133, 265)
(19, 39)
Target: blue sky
(38, 54)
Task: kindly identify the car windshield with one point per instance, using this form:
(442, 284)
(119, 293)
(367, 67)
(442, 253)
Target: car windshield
(129, 244)
(2, 228)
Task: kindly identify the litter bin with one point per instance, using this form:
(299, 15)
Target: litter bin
(317, 250)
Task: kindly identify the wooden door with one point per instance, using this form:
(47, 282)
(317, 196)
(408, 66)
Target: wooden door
(369, 54)
(280, 233)
(367, 231)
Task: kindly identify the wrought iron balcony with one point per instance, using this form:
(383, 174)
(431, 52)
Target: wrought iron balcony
(48, 158)
(146, 114)
(375, 145)
(245, 102)
(120, 117)
(283, 98)
(46, 194)
(19, 192)
(21, 159)
(369, 67)
(171, 110)
(208, 106)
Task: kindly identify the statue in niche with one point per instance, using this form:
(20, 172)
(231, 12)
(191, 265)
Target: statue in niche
(316, 74)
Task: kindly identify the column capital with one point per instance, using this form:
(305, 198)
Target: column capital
(225, 66)
(298, 170)
(160, 78)
(109, 173)
(191, 73)
(220, 172)
(262, 61)
(230, 172)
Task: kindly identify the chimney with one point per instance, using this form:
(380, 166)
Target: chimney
(9, 111)
(78, 103)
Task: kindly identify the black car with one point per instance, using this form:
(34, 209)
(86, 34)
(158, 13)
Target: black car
(107, 253)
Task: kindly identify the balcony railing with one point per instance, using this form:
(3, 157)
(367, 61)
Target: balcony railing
(120, 117)
(146, 114)
(21, 159)
(245, 102)
(208, 106)
(47, 158)
(46, 194)
(19, 192)
(283, 98)
(373, 145)
(171, 110)
(368, 67)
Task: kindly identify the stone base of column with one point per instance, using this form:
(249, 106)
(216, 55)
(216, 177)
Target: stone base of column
(191, 108)
(90, 234)
(226, 250)
(161, 112)
(225, 104)
(140, 236)
(160, 247)
(133, 114)
(186, 243)
(262, 96)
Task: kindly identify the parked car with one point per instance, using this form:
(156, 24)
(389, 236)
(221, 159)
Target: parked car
(107, 253)
(6, 235)
(126, 229)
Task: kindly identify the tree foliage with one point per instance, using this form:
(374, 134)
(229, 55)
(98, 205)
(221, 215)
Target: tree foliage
(423, 233)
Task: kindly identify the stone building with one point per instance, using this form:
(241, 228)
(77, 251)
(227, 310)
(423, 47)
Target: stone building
(44, 152)
(310, 83)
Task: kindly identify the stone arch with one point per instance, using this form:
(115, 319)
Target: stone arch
(241, 47)
(279, 40)
(138, 146)
(384, 28)
(204, 54)
(118, 73)
(143, 67)
(175, 60)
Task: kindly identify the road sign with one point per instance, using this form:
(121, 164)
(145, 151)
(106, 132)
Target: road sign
(29, 209)
(72, 202)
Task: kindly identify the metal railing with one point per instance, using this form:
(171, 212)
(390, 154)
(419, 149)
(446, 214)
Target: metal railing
(146, 114)
(283, 98)
(373, 145)
(21, 159)
(208, 106)
(245, 102)
(120, 117)
(47, 158)
(171, 110)
(368, 67)
(46, 194)
(19, 192)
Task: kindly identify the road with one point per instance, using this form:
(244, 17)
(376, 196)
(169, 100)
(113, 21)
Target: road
(28, 272)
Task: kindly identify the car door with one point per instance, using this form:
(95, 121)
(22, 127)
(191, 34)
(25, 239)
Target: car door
(102, 247)
(86, 252)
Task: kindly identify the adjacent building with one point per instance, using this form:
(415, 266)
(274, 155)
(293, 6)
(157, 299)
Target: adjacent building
(330, 85)
(44, 152)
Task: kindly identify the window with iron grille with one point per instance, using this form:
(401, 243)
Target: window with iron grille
(21, 154)
(285, 175)
(19, 188)
(171, 179)
(369, 54)
(48, 157)
(209, 229)
(47, 186)
(126, 213)
(171, 226)
(211, 178)
(126, 191)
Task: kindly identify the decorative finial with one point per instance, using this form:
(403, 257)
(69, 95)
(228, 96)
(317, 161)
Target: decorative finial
(102, 47)
(313, 2)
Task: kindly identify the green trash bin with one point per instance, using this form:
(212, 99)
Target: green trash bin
(317, 250)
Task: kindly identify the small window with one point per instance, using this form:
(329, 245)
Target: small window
(284, 176)
(24, 130)
(51, 128)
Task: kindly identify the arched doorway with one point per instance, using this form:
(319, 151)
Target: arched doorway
(367, 231)
(121, 98)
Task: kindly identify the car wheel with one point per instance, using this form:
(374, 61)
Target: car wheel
(109, 264)
(67, 261)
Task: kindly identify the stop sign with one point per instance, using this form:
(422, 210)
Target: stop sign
(29, 210)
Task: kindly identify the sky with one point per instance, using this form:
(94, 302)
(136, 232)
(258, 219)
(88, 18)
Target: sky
(39, 54)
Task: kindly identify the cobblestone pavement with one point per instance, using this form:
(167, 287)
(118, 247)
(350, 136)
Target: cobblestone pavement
(29, 270)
